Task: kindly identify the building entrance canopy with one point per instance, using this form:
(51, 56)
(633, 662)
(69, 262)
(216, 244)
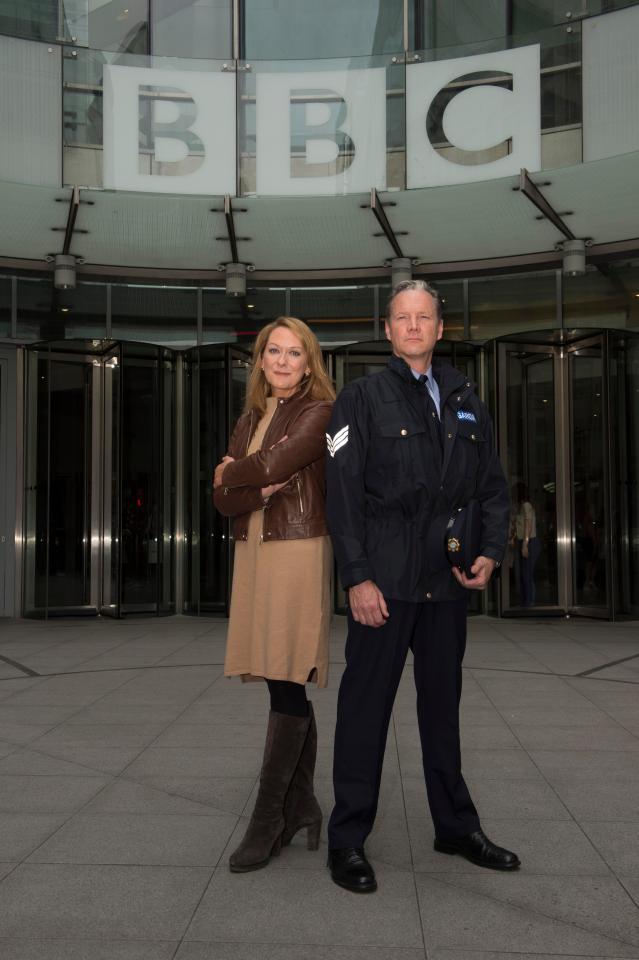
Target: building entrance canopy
(465, 227)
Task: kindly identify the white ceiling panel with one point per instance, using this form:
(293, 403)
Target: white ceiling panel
(603, 196)
(484, 220)
(29, 214)
(314, 233)
(147, 230)
(468, 222)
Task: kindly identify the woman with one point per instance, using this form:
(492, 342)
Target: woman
(272, 482)
(524, 539)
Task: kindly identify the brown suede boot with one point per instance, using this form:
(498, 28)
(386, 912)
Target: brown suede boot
(301, 808)
(285, 738)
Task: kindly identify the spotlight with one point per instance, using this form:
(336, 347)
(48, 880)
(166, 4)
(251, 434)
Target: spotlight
(236, 279)
(574, 258)
(64, 272)
(401, 269)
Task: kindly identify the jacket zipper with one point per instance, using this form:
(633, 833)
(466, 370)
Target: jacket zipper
(299, 494)
(250, 433)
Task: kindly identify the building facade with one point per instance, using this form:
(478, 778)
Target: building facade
(176, 173)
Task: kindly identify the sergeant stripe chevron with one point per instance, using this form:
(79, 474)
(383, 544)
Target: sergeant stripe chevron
(338, 441)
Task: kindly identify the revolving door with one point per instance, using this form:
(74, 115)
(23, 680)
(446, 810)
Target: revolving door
(568, 429)
(99, 488)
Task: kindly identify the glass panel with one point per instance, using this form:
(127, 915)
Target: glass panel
(623, 442)
(588, 484)
(213, 529)
(598, 300)
(531, 474)
(107, 24)
(239, 319)
(142, 479)
(336, 315)
(69, 484)
(5, 306)
(164, 315)
(213, 377)
(321, 126)
(500, 305)
(447, 23)
(274, 29)
(191, 28)
(45, 313)
(58, 484)
(530, 15)
(37, 19)
(30, 119)
(452, 294)
(631, 472)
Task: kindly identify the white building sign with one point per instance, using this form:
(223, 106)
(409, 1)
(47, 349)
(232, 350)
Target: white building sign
(169, 131)
(501, 108)
(322, 132)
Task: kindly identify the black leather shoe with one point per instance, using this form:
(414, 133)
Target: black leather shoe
(350, 869)
(477, 848)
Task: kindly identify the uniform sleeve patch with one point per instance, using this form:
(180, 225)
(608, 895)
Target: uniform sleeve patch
(466, 415)
(336, 442)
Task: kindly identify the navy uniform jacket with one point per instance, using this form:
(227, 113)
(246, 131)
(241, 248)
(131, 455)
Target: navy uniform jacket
(392, 468)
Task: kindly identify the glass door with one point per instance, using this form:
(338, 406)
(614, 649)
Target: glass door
(564, 452)
(589, 489)
(527, 411)
(623, 444)
(60, 484)
(214, 387)
(147, 479)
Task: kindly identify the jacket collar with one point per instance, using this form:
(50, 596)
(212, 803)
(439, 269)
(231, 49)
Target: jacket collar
(447, 377)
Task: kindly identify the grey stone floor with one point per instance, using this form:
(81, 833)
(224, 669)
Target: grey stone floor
(128, 765)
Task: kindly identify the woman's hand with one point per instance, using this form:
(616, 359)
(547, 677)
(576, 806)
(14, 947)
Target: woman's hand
(524, 549)
(219, 470)
(273, 488)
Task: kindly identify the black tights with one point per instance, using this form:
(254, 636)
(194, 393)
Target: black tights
(288, 697)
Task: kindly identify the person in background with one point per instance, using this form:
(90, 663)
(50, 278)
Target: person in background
(526, 545)
(272, 481)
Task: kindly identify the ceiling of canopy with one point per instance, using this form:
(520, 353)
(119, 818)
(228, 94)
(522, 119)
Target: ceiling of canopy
(485, 221)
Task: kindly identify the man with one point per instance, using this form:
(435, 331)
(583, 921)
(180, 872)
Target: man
(407, 447)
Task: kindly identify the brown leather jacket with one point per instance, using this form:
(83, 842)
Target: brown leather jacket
(297, 510)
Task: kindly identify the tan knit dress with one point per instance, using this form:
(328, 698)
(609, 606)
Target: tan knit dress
(280, 602)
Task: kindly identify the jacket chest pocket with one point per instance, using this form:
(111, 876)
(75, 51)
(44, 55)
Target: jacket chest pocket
(394, 447)
(470, 439)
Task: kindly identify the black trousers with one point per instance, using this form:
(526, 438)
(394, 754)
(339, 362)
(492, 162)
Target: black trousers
(375, 658)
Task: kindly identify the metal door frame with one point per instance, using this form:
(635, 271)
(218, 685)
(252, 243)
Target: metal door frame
(8, 479)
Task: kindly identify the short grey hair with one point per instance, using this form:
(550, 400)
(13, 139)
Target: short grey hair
(414, 285)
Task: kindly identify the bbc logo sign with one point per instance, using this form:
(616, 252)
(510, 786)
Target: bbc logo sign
(322, 132)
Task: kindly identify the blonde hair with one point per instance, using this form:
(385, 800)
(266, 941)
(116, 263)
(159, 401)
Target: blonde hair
(316, 384)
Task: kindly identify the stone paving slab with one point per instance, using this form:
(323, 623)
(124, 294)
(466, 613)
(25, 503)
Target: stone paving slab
(128, 774)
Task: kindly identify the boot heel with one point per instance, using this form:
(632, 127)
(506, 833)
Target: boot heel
(313, 835)
(277, 847)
